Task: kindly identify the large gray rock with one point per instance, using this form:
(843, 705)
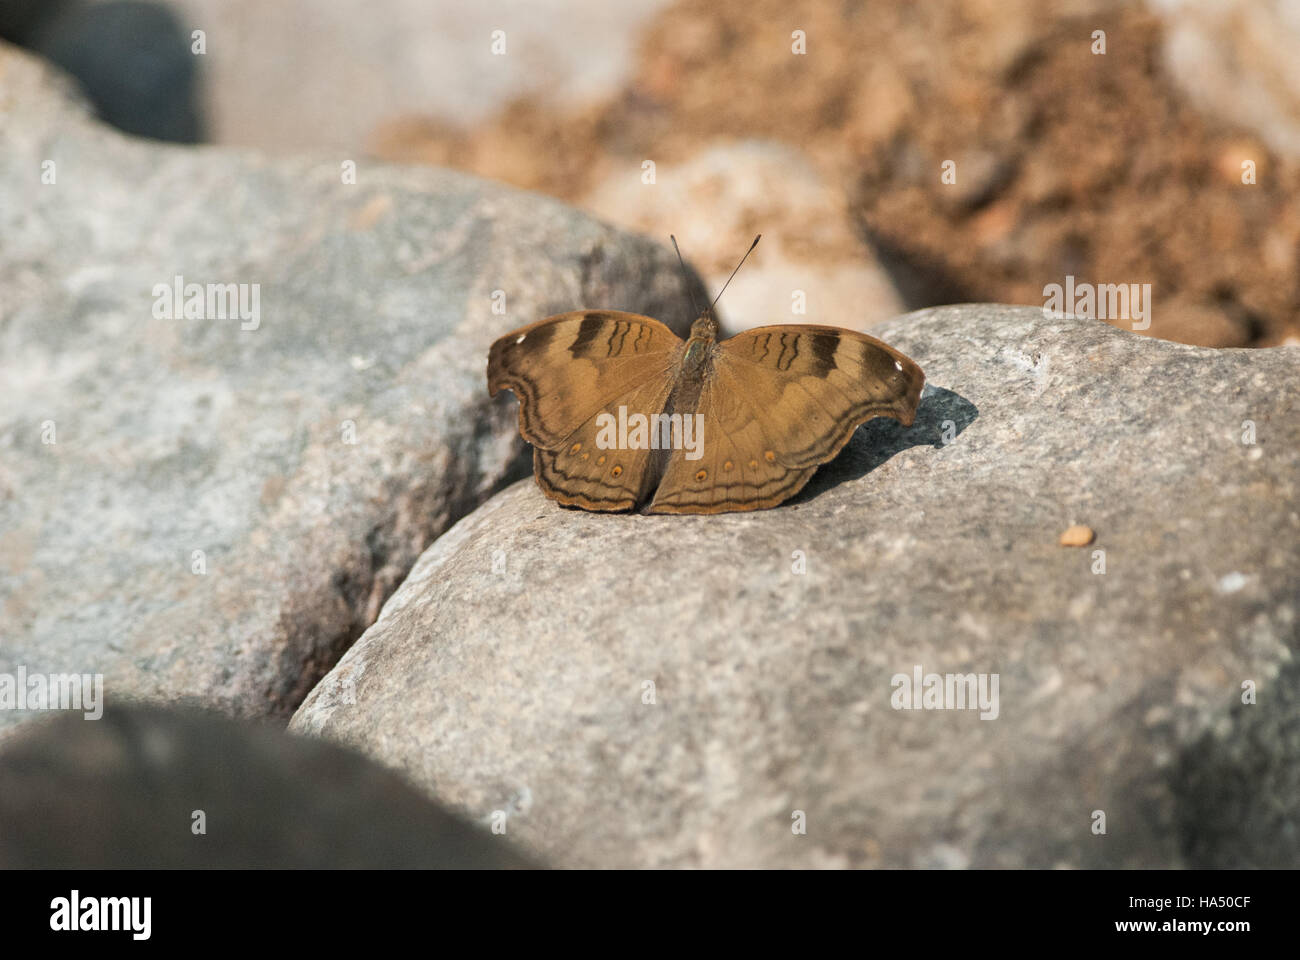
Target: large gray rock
(146, 787)
(510, 670)
(131, 441)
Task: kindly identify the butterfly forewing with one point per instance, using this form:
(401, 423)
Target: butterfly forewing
(568, 368)
(821, 383)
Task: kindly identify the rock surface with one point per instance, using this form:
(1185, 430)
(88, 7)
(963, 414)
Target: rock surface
(511, 670)
(215, 508)
(123, 793)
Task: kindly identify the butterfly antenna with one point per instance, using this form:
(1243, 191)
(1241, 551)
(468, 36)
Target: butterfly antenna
(690, 287)
(733, 272)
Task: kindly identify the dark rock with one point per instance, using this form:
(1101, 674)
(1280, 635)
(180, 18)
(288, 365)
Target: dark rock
(124, 792)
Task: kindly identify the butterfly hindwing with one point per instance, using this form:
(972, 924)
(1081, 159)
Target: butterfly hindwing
(733, 471)
(582, 472)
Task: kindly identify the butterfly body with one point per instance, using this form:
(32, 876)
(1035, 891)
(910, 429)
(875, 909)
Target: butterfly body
(692, 370)
(696, 355)
(622, 413)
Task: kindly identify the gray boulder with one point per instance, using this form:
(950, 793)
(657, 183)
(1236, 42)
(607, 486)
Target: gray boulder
(214, 507)
(153, 788)
(670, 691)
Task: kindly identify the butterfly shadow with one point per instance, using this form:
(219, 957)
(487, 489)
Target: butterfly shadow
(940, 416)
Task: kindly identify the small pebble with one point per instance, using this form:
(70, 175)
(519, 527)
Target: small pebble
(1077, 536)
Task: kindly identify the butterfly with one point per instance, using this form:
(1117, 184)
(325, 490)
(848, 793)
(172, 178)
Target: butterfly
(623, 414)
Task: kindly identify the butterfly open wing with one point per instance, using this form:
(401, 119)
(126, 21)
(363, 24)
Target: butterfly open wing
(780, 401)
(579, 472)
(567, 370)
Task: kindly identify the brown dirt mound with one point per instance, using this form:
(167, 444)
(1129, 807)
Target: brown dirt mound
(1068, 163)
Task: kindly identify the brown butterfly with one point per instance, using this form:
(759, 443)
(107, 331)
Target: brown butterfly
(621, 412)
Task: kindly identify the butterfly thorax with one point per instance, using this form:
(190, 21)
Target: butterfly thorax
(704, 336)
(695, 356)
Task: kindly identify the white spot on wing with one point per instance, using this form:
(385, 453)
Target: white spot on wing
(520, 338)
(897, 365)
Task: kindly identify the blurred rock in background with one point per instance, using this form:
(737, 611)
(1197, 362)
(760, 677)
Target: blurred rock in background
(1236, 60)
(295, 74)
(825, 126)
(1067, 161)
(811, 265)
(132, 60)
